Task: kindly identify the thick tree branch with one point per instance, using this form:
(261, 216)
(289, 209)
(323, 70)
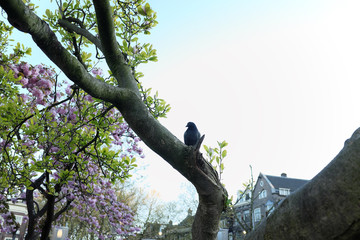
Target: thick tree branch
(113, 55)
(30, 206)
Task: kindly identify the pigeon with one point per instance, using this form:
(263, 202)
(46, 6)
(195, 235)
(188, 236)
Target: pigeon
(191, 135)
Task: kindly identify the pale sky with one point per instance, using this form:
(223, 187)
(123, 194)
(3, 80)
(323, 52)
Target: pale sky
(278, 80)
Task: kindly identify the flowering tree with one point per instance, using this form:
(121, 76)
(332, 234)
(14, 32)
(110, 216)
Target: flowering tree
(61, 147)
(91, 31)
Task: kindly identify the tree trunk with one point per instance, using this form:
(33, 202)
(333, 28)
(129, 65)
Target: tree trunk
(212, 197)
(328, 207)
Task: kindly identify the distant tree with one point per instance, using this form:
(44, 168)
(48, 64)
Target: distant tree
(248, 196)
(188, 199)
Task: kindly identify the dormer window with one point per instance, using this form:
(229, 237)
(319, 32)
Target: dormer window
(284, 191)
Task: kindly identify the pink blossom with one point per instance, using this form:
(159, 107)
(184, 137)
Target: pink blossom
(24, 97)
(102, 201)
(68, 90)
(15, 69)
(61, 110)
(24, 81)
(45, 84)
(41, 69)
(96, 72)
(54, 149)
(35, 71)
(26, 69)
(88, 98)
(49, 72)
(38, 93)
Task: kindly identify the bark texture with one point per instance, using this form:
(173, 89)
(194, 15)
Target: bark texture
(328, 207)
(126, 97)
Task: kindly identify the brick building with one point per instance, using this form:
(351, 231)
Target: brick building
(268, 193)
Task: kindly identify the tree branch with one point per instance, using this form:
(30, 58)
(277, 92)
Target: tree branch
(113, 55)
(62, 210)
(27, 21)
(81, 31)
(30, 206)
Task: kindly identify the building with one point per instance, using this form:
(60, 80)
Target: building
(20, 211)
(252, 206)
(182, 231)
(269, 191)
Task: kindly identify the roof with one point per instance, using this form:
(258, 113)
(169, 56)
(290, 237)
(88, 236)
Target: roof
(285, 182)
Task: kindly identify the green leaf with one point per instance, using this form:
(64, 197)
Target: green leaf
(48, 13)
(154, 59)
(140, 10)
(222, 144)
(206, 148)
(224, 153)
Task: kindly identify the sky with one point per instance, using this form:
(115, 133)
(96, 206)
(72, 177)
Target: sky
(278, 80)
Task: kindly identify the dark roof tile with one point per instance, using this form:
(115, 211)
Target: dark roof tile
(285, 182)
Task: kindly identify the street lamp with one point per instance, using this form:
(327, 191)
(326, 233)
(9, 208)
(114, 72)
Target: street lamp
(60, 233)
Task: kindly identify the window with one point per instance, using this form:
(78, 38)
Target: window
(239, 217)
(262, 194)
(246, 216)
(19, 219)
(269, 207)
(284, 191)
(245, 197)
(257, 214)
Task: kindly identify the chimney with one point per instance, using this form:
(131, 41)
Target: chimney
(283, 175)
